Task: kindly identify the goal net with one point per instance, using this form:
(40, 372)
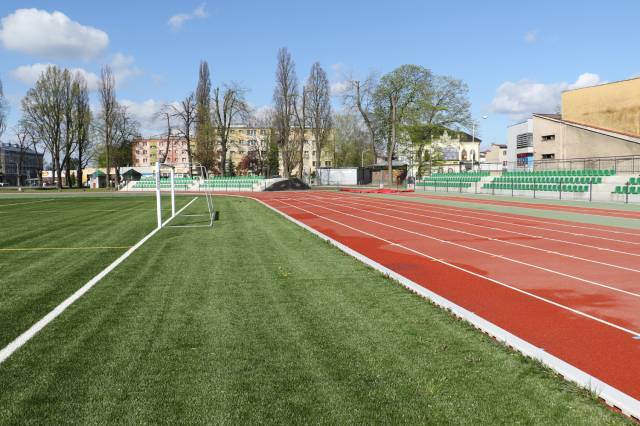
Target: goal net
(188, 179)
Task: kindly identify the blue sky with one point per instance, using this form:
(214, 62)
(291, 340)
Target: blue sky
(516, 57)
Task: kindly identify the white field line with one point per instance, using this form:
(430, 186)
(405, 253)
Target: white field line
(379, 206)
(627, 404)
(622, 213)
(521, 217)
(28, 202)
(499, 256)
(16, 344)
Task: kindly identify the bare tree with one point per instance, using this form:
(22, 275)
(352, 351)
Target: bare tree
(70, 93)
(301, 121)
(319, 108)
(82, 119)
(108, 116)
(125, 131)
(43, 110)
(205, 140)
(229, 106)
(24, 141)
(360, 98)
(185, 114)
(165, 114)
(284, 98)
(263, 140)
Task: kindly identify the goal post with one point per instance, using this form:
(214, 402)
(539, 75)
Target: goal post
(158, 176)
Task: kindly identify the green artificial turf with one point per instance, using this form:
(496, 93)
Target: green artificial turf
(257, 321)
(33, 282)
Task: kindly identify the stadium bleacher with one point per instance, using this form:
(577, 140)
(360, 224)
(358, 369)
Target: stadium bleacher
(452, 180)
(549, 180)
(632, 186)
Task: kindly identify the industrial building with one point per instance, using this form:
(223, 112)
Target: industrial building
(595, 122)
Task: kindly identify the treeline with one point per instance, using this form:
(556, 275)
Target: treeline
(403, 110)
(57, 121)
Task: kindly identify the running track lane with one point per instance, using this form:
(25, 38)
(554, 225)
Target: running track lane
(605, 352)
(526, 205)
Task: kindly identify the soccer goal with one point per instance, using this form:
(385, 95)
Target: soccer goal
(198, 216)
(163, 183)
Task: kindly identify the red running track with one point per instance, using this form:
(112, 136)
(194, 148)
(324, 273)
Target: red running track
(576, 295)
(539, 206)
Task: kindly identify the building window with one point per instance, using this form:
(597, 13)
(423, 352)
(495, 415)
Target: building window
(327, 163)
(251, 132)
(548, 138)
(524, 140)
(548, 156)
(313, 163)
(306, 155)
(504, 152)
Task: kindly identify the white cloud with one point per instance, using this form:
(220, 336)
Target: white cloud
(585, 80)
(50, 35)
(338, 88)
(29, 74)
(177, 21)
(124, 68)
(531, 36)
(522, 98)
(146, 113)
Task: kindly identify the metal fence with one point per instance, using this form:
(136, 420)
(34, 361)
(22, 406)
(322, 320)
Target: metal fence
(621, 164)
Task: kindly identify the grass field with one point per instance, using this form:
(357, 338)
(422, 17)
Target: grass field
(252, 321)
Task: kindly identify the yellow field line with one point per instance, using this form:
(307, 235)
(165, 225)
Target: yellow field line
(65, 248)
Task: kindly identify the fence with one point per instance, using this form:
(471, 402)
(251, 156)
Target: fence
(621, 164)
(559, 191)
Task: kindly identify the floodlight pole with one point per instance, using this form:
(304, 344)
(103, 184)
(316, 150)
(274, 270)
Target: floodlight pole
(158, 202)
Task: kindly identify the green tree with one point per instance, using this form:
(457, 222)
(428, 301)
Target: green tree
(273, 157)
(351, 141)
(205, 136)
(397, 100)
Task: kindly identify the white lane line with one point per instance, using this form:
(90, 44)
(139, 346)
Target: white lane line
(569, 209)
(519, 290)
(614, 397)
(539, 237)
(519, 262)
(16, 344)
(29, 202)
(512, 216)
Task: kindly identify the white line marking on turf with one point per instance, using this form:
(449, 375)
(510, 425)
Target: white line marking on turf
(627, 404)
(16, 344)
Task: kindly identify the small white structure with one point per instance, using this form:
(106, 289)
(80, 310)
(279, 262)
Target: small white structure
(341, 176)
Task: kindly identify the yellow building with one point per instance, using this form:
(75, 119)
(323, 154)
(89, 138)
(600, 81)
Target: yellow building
(242, 140)
(600, 121)
(614, 106)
